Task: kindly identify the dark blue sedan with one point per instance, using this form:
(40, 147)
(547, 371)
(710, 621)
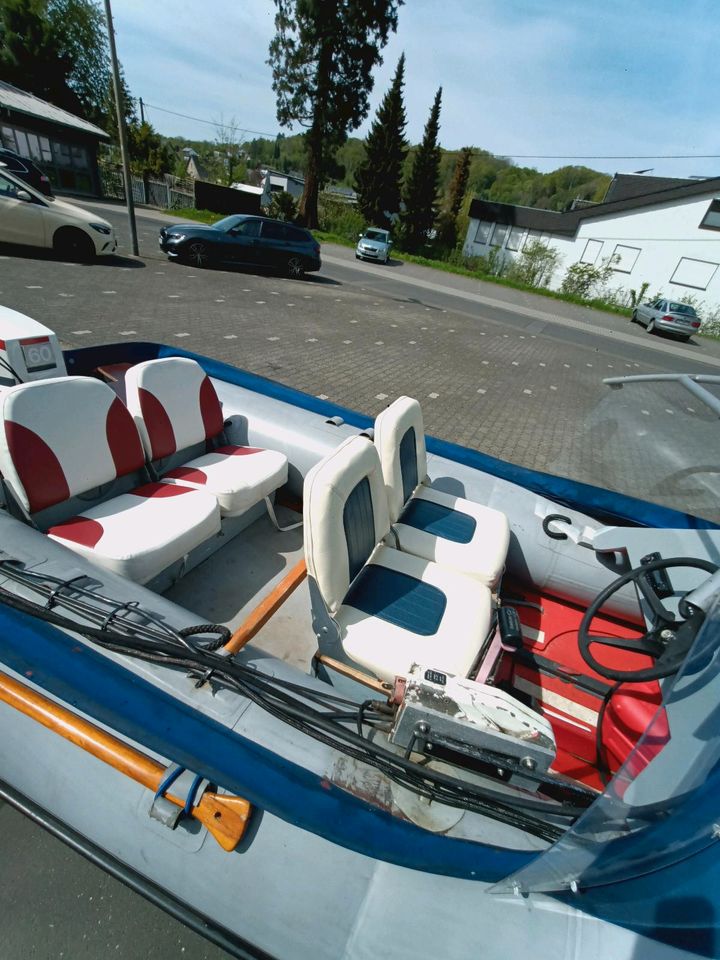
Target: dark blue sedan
(254, 241)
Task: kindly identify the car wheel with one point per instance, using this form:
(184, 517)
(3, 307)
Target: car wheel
(650, 327)
(295, 268)
(73, 244)
(197, 253)
(633, 318)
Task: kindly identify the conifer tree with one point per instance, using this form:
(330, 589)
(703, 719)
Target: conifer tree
(322, 58)
(447, 221)
(378, 179)
(422, 187)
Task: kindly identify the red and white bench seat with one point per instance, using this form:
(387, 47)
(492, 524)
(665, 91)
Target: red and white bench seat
(176, 408)
(67, 437)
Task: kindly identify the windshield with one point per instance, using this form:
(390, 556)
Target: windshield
(661, 806)
(683, 308)
(376, 235)
(227, 223)
(653, 440)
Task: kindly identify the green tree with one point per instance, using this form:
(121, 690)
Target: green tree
(150, 155)
(378, 179)
(447, 221)
(422, 187)
(57, 49)
(322, 58)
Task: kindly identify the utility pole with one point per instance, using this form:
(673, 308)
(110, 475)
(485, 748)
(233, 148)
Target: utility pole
(142, 110)
(122, 133)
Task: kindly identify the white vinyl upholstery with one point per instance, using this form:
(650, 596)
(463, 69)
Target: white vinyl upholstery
(391, 425)
(458, 533)
(391, 609)
(326, 490)
(389, 650)
(483, 557)
(175, 407)
(238, 477)
(65, 437)
(140, 533)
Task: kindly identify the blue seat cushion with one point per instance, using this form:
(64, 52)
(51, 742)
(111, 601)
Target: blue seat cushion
(438, 520)
(398, 598)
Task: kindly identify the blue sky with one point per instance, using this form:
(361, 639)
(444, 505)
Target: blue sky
(559, 77)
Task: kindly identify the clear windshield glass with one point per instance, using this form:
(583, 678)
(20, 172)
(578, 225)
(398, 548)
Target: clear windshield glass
(227, 223)
(662, 805)
(652, 440)
(683, 308)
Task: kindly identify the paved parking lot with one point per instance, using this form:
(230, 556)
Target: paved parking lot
(511, 374)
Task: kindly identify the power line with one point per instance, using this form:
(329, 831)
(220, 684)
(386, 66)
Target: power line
(210, 123)
(480, 151)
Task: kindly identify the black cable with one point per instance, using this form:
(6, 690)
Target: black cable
(278, 700)
(11, 370)
(603, 768)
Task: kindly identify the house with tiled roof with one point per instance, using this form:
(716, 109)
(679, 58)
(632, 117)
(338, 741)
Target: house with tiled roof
(62, 145)
(661, 231)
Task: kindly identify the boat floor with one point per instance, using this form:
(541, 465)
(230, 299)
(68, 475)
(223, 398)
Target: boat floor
(228, 586)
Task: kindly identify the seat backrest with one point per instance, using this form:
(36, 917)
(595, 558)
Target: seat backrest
(400, 440)
(63, 437)
(345, 516)
(174, 405)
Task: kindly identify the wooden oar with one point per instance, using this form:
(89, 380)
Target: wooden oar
(266, 608)
(225, 817)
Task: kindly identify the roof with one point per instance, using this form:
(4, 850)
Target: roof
(623, 186)
(11, 98)
(550, 221)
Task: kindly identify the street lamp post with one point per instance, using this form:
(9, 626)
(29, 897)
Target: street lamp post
(122, 133)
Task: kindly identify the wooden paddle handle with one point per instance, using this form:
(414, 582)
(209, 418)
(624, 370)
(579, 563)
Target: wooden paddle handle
(224, 816)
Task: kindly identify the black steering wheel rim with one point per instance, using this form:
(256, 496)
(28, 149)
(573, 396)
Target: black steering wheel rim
(668, 658)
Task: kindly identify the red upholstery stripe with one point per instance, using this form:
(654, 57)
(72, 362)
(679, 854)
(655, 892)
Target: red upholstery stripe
(150, 490)
(186, 473)
(210, 409)
(81, 530)
(158, 425)
(237, 451)
(123, 439)
(38, 468)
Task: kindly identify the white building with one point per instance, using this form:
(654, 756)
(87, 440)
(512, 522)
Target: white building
(662, 232)
(288, 182)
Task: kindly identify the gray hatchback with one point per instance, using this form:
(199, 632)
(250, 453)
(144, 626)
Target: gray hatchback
(679, 319)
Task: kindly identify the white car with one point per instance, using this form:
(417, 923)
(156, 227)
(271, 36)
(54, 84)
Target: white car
(374, 244)
(28, 217)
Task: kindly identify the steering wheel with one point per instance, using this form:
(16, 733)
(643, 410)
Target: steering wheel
(667, 641)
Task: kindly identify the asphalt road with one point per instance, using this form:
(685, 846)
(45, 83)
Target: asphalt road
(511, 374)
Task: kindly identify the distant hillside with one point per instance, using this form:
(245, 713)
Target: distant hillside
(491, 178)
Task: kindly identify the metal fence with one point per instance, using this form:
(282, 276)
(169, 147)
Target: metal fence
(171, 193)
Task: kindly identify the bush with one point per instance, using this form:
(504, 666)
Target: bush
(584, 279)
(340, 218)
(282, 206)
(535, 265)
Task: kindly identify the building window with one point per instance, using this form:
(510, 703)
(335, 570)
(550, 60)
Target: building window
(591, 251)
(694, 273)
(515, 239)
(483, 231)
(499, 234)
(711, 220)
(625, 258)
(534, 236)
